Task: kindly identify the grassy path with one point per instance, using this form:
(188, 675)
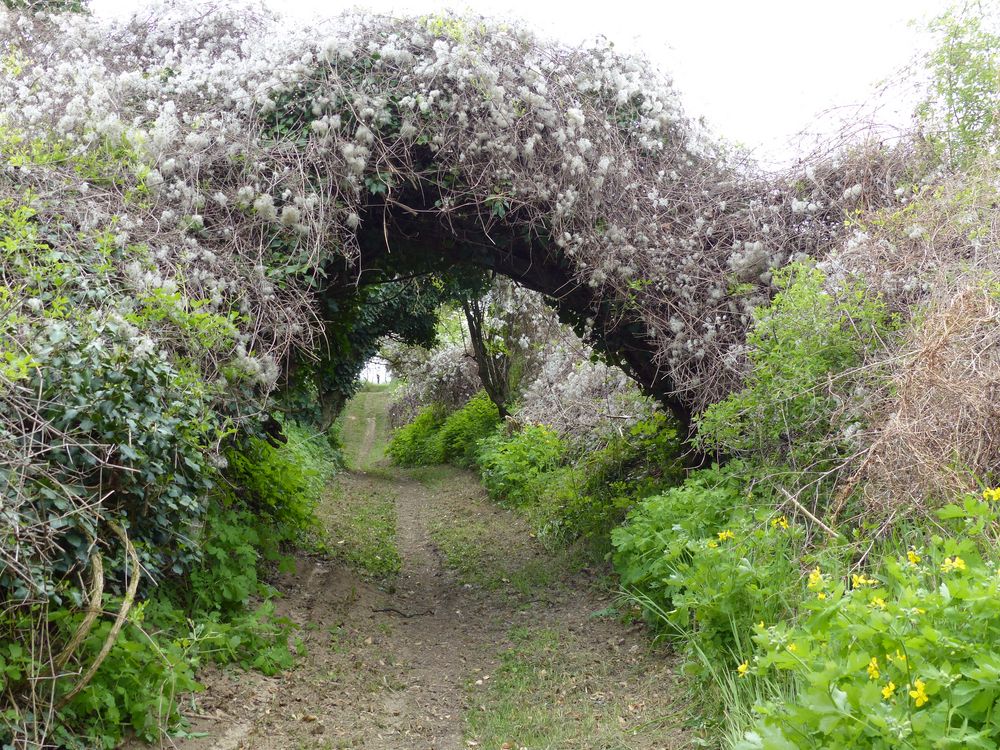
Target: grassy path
(439, 623)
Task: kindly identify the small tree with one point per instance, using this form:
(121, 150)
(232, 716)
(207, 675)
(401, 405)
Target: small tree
(959, 114)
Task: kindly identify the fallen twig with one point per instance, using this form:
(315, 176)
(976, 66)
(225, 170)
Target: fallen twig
(403, 614)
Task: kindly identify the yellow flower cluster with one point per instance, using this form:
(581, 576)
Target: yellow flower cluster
(726, 535)
(889, 690)
(781, 522)
(952, 563)
(743, 668)
(899, 656)
(918, 694)
(860, 580)
(991, 495)
(815, 579)
(912, 556)
(873, 673)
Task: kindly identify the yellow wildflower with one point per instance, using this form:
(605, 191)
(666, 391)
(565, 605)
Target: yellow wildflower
(781, 522)
(889, 690)
(712, 545)
(912, 556)
(878, 601)
(899, 656)
(815, 578)
(727, 534)
(952, 563)
(857, 581)
(991, 495)
(918, 694)
(792, 647)
(821, 595)
(743, 669)
(760, 624)
(873, 673)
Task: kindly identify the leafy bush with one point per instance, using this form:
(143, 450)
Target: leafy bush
(593, 491)
(281, 485)
(435, 436)
(219, 611)
(514, 468)
(419, 443)
(906, 658)
(463, 430)
(705, 567)
(958, 115)
(153, 662)
(798, 402)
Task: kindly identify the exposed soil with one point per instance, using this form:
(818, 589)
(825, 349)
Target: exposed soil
(397, 665)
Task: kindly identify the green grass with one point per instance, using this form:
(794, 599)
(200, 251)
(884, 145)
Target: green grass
(369, 404)
(360, 518)
(552, 689)
(487, 546)
(359, 511)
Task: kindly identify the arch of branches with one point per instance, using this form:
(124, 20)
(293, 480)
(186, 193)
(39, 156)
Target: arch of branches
(224, 202)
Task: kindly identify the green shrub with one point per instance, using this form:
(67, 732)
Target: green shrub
(435, 437)
(281, 485)
(628, 468)
(514, 467)
(219, 611)
(705, 567)
(908, 657)
(419, 443)
(153, 662)
(463, 430)
(802, 349)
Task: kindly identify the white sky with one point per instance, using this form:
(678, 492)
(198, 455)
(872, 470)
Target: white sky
(759, 72)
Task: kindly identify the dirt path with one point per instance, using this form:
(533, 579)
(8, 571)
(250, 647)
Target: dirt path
(475, 643)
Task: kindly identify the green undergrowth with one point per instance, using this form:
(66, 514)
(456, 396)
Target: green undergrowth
(566, 492)
(220, 611)
(798, 634)
(438, 437)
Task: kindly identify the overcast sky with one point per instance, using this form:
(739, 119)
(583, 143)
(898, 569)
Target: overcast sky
(759, 72)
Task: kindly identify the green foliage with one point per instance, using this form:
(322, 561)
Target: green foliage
(153, 662)
(905, 658)
(514, 468)
(534, 470)
(48, 6)
(281, 486)
(218, 611)
(959, 114)
(357, 321)
(705, 567)
(166, 639)
(593, 494)
(462, 432)
(418, 443)
(436, 437)
(803, 347)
